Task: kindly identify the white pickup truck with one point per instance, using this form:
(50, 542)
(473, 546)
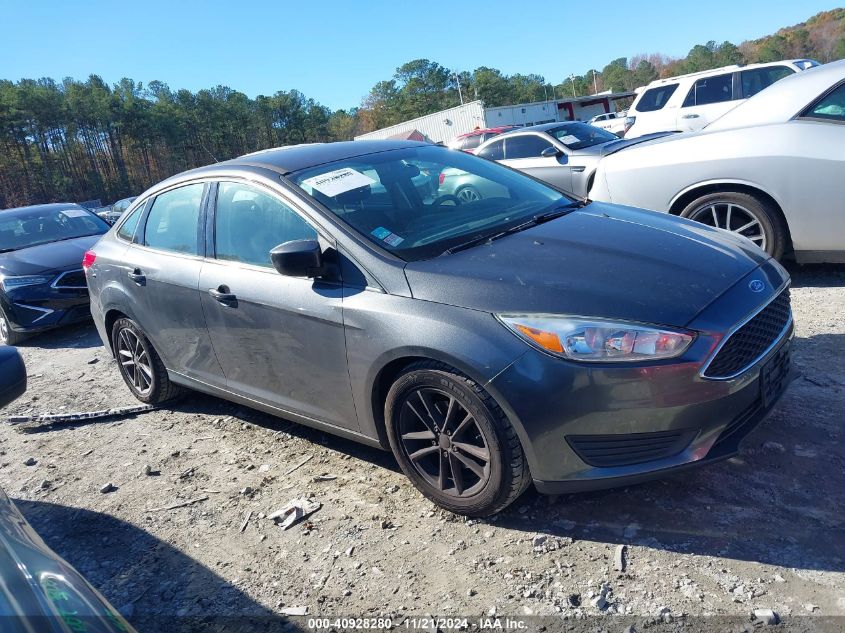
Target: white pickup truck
(613, 122)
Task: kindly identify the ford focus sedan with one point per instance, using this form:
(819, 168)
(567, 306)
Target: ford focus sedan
(488, 343)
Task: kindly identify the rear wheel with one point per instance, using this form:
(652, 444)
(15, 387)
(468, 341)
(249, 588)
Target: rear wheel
(7, 335)
(467, 194)
(140, 365)
(742, 213)
(453, 441)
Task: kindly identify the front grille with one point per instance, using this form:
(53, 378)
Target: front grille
(744, 347)
(620, 449)
(71, 280)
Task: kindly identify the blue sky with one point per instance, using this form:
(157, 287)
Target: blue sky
(335, 51)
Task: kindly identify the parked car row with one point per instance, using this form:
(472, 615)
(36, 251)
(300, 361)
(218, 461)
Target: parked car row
(483, 324)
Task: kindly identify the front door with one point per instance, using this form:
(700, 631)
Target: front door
(280, 340)
(523, 152)
(162, 271)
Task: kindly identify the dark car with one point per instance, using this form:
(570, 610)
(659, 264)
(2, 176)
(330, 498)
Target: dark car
(471, 140)
(112, 214)
(489, 343)
(41, 591)
(42, 284)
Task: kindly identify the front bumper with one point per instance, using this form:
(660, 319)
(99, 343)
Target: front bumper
(42, 307)
(587, 427)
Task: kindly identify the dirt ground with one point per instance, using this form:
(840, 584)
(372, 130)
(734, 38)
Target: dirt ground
(763, 530)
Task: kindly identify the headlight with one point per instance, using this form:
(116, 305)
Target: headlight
(10, 283)
(595, 340)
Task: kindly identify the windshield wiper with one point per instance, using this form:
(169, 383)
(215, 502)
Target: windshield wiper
(540, 218)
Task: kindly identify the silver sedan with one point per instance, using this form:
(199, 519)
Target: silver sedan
(770, 170)
(563, 154)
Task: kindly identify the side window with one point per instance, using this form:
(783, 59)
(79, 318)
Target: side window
(172, 221)
(249, 223)
(494, 151)
(754, 80)
(528, 146)
(655, 98)
(126, 230)
(710, 90)
(830, 107)
(471, 142)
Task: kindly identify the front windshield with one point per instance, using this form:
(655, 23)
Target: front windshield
(577, 135)
(419, 202)
(31, 227)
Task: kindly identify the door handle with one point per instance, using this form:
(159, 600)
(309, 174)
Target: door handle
(690, 116)
(578, 170)
(222, 295)
(138, 277)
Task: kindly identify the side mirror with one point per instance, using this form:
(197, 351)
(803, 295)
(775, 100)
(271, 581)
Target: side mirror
(12, 375)
(550, 152)
(298, 258)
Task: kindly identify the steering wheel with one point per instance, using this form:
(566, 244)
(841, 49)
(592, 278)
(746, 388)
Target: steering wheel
(439, 200)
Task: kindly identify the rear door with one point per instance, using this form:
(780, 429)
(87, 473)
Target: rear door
(523, 152)
(280, 339)
(707, 100)
(162, 270)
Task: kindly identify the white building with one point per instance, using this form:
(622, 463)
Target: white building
(445, 125)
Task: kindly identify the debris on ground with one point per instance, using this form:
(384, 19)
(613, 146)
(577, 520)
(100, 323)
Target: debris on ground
(297, 466)
(181, 504)
(294, 511)
(30, 462)
(86, 415)
(620, 557)
(766, 616)
(109, 487)
(294, 611)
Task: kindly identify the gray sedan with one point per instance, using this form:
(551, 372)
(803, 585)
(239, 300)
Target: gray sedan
(525, 336)
(563, 154)
(770, 170)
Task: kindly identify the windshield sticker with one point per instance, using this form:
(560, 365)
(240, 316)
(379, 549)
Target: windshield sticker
(570, 139)
(387, 236)
(74, 213)
(339, 181)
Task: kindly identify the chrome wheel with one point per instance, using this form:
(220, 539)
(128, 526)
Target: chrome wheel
(468, 194)
(731, 217)
(134, 361)
(4, 330)
(444, 442)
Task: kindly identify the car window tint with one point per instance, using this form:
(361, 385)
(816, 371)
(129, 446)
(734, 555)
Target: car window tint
(249, 223)
(126, 230)
(529, 146)
(710, 90)
(494, 151)
(831, 106)
(754, 80)
(172, 221)
(655, 98)
(471, 142)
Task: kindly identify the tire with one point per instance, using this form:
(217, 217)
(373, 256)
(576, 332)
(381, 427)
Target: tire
(468, 193)
(143, 372)
(475, 419)
(7, 335)
(769, 222)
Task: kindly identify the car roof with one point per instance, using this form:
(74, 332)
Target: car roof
(53, 206)
(784, 99)
(296, 157)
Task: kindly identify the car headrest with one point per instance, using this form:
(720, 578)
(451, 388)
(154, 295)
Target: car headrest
(354, 196)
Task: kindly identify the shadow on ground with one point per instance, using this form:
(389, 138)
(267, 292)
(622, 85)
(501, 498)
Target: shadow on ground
(158, 587)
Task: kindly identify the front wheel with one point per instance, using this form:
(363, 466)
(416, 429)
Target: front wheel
(745, 214)
(140, 365)
(453, 441)
(7, 335)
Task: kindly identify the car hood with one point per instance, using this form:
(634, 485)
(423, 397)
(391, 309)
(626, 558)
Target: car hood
(38, 586)
(603, 260)
(611, 147)
(51, 256)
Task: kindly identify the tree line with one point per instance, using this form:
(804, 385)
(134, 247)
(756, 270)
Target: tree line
(78, 140)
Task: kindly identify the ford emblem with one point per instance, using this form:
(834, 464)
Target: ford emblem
(756, 285)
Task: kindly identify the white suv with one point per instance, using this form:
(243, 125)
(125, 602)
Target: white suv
(689, 102)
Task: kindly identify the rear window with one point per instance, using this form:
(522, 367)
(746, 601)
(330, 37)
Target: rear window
(655, 98)
(471, 142)
(756, 79)
(831, 107)
(173, 220)
(710, 90)
(494, 151)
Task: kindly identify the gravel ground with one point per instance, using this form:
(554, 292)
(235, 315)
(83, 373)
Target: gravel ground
(763, 530)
